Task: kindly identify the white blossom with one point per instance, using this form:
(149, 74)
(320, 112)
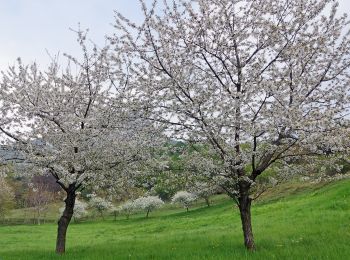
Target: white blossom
(80, 210)
(148, 204)
(257, 82)
(184, 198)
(127, 208)
(100, 204)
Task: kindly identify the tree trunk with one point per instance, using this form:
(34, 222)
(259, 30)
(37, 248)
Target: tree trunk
(207, 201)
(38, 218)
(244, 208)
(65, 219)
(147, 213)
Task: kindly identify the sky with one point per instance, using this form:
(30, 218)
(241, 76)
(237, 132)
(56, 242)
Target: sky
(30, 28)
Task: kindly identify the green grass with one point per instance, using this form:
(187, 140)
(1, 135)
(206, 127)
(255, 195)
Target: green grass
(309, 223)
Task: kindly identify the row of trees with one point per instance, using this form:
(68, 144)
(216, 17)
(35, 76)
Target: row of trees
(150, 203)
(257, 83)
(145, 203)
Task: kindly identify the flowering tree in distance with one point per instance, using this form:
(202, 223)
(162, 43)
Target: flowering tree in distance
(203, 190)
(73, 123)
(260, 81)
(127, 208)
(184, 198)
(100, 204)
(148, 203)
(39, 199)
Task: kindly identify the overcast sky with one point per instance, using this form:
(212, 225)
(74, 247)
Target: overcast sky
(29, 27)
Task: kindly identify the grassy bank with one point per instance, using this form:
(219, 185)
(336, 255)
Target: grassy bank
(309, 223)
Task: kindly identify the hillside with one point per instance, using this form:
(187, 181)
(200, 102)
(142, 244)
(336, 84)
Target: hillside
(310, 223)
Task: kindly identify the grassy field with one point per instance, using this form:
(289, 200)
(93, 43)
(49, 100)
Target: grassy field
(295, 222)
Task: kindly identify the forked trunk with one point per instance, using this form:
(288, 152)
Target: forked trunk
(64, 220)
(244, 209)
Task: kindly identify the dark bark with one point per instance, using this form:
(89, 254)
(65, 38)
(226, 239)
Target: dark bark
(147, 213)
(65, 219)
(244, 204)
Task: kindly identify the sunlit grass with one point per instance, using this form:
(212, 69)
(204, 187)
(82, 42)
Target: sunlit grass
(311, 224)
